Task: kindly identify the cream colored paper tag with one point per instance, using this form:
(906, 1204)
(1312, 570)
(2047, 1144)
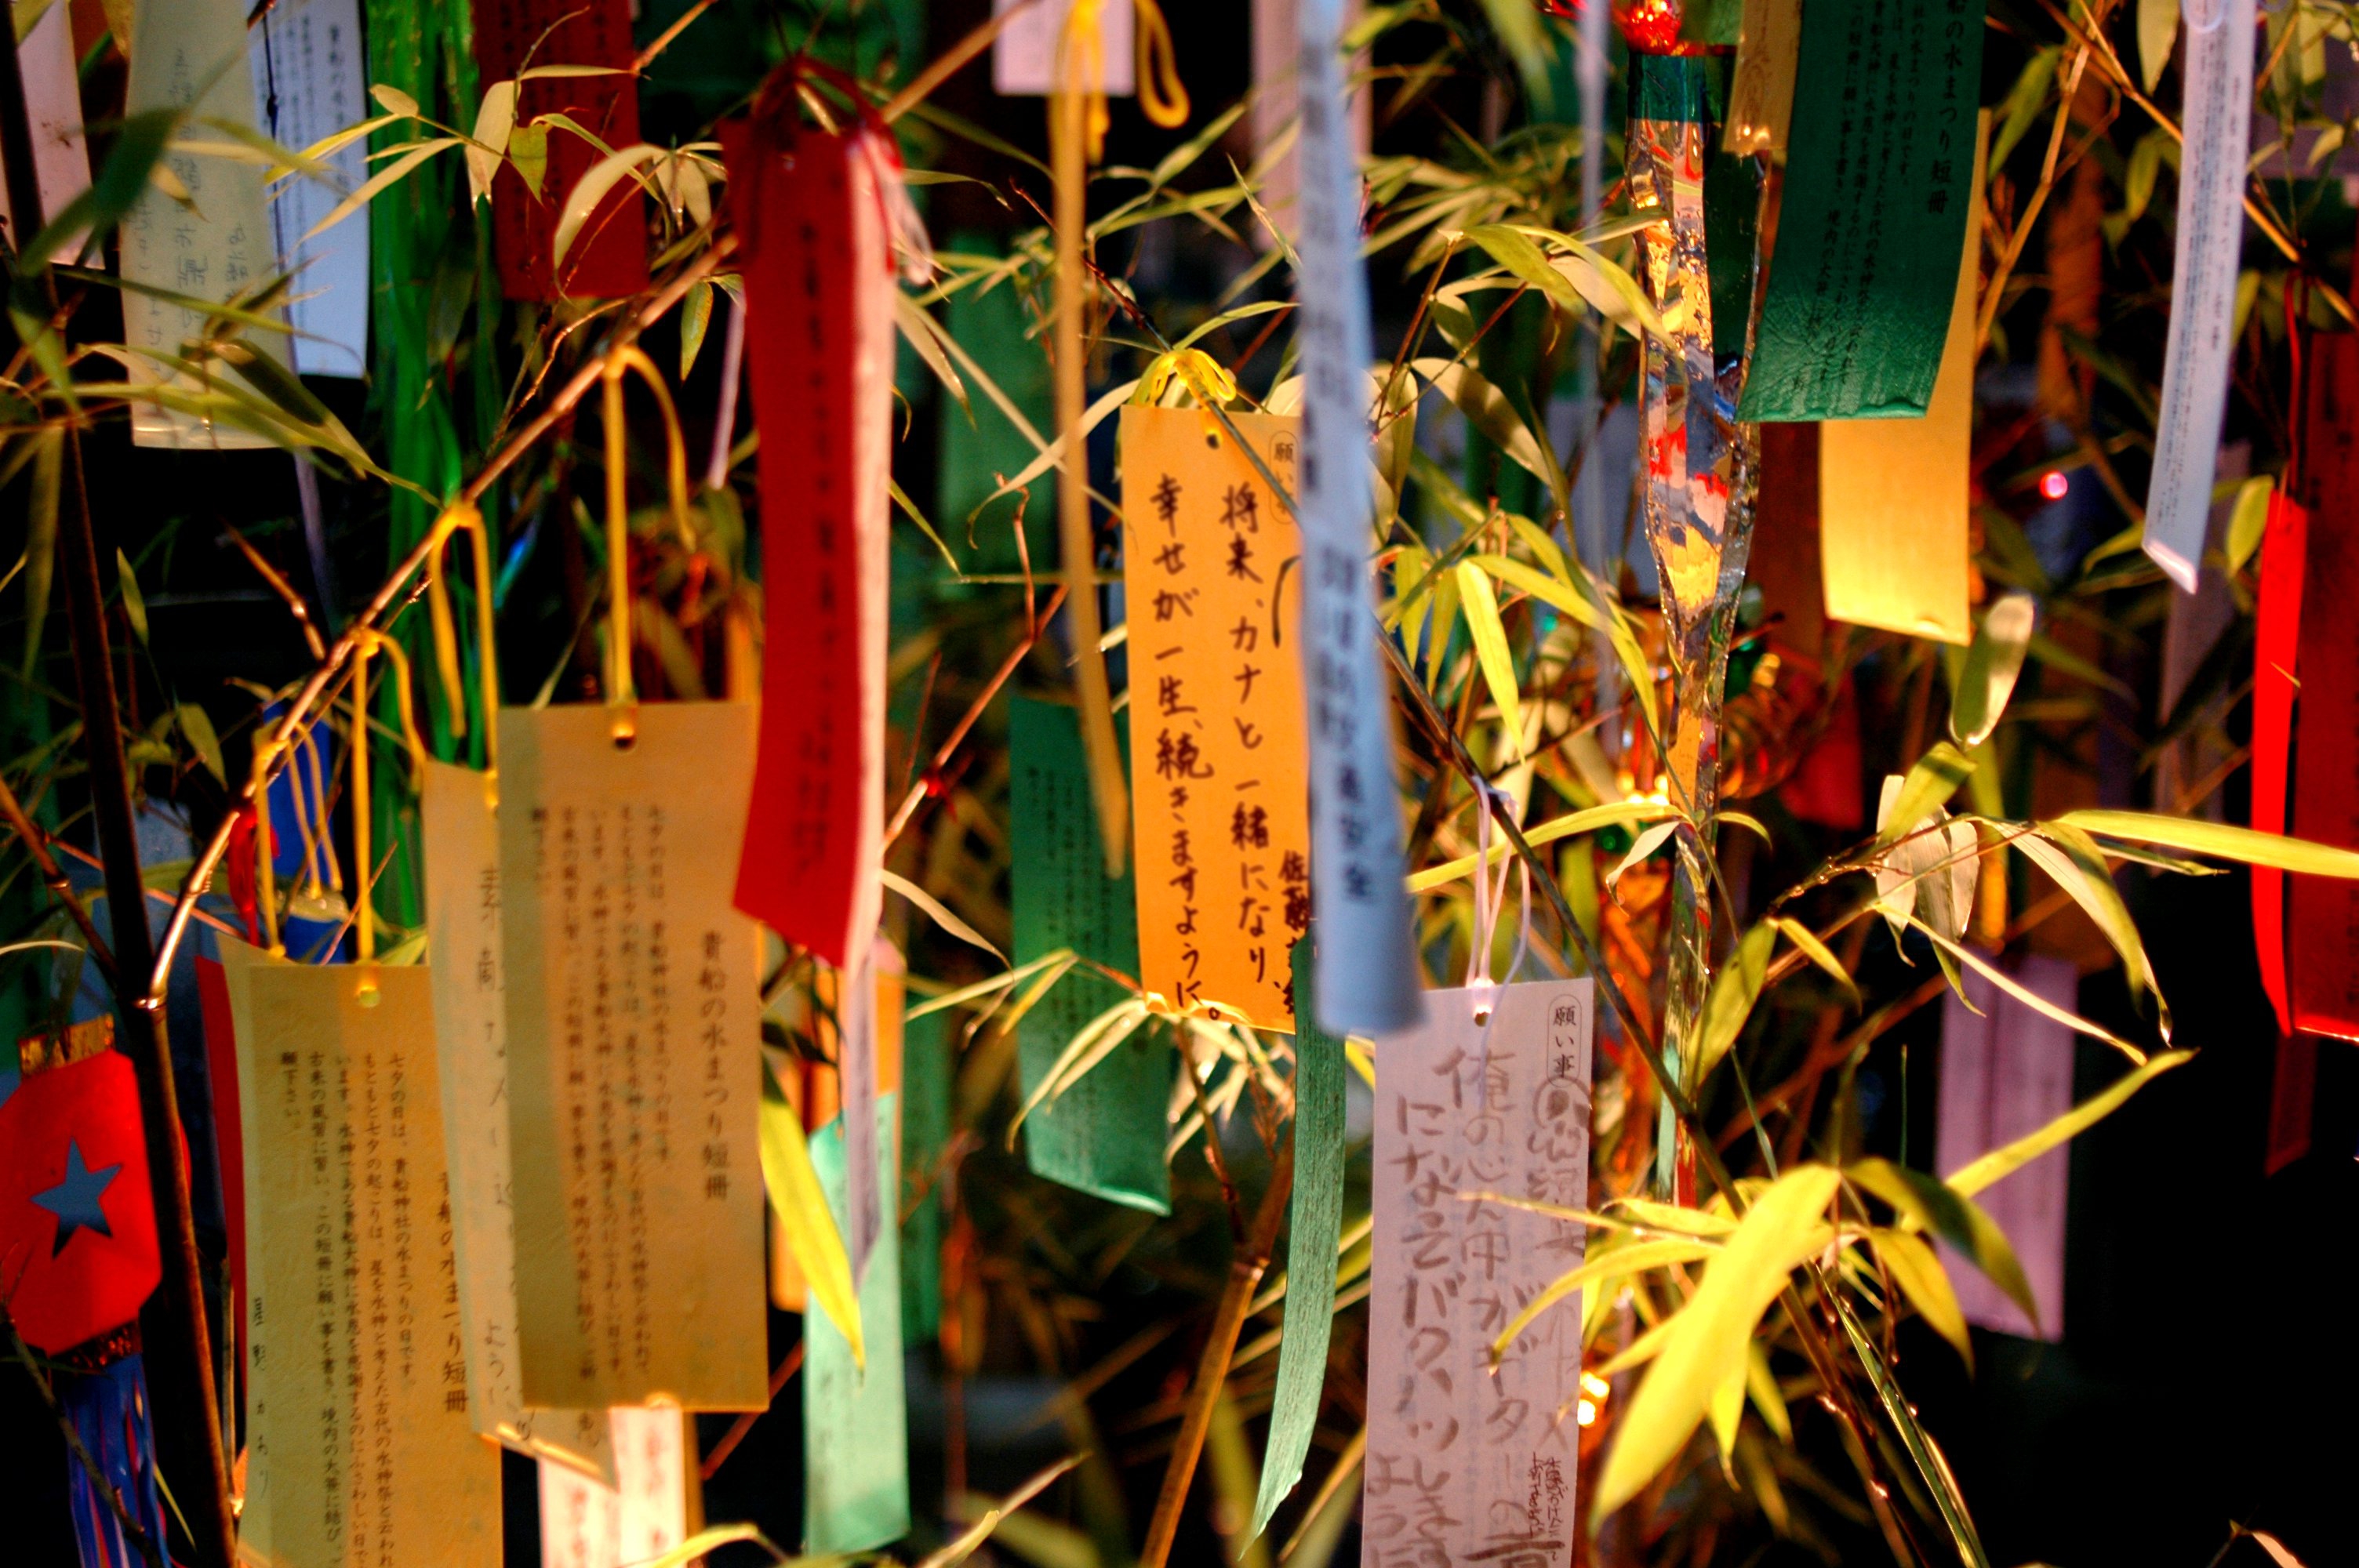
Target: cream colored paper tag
(192, 53)
(644, 1514)
(1468, 1464)
(462, 930)
(634, 1019)
(1212, 565)
(359, 1447)
(1893, 493)
(53, 106)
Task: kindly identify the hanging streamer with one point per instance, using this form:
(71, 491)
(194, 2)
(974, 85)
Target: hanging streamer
(306, 63)
(2277, 646)
(855, 1417)
(812, 224)
(608, 259)
(2216, 122)
(1367, 965)
(110, 1417)
(190, 54)
(1105, 1132)
(2324, 957)
(1214, 591)
(644, 1514)
(53, 110)
(1878, 183)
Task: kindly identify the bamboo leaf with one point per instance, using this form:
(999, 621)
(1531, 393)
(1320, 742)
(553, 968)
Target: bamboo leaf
(1582, 599)
(381, 179)
(1647, 844)
(1614, 1264)
(2246, 520)
(393, 101)
(2072, 861)
(1818, 952)
(1619, 815)
(1927, 1204)
(2157, 27)
(590, 190)
(134, 608)
(197, 725)
(1783, 1228)
(1511, 249)
(1976, 1174)
(2218, 839)
(41, 539)
(1927, 788)
(1730, 1001)
(940, 913)
(1992, 664)
(803, 1215)
(695, 320)
(1491, 650)
(495, 120)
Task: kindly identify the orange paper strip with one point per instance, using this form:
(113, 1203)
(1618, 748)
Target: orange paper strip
(1214, 587)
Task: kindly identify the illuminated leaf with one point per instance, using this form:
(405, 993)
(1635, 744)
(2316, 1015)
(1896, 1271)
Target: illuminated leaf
(803, 1214)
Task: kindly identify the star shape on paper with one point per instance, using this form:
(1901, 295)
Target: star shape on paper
(75, 1200)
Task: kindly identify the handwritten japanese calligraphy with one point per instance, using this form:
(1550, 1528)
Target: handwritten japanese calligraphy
(586, 1524)
(1212, 567)
(308, 85)
(361, 1454)
(1466, 1465)
(634, 1027)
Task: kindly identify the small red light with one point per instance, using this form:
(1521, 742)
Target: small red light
(2054, 485)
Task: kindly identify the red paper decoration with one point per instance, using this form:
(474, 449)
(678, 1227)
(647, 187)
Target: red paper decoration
(77, 1251)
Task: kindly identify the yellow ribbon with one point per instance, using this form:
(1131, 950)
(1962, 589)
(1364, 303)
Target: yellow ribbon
(463, 518)
(622, 693)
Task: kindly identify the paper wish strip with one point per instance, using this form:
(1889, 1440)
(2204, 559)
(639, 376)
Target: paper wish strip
(586, 1524)
(1878, 181)
(609, 258)
(2006, 1072)
(634, 1019)
(1467, 1464)
(2322, 958)
(1104, 1134)
(1024, 56)
(53, 108)
(360, 1451)
(2218, 114)
(1212, 569)
(191, 54)
(1368, 967)
(1895, 495)
(855, 1418)
(461, 843)
(819, 323)
(306, 59)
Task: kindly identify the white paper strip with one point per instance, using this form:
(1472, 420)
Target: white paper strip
(2006, 1073)
(1367, 975)
(1466, 1465)
(2219, 72)
(308, 85)
(642, 1515)
(53, 105)
(1024, 56)
(186, 53)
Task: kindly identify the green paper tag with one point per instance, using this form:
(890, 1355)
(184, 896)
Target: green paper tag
(1315, 1224)
(1105, 1133)
(856, 1424)
(1873, 219)
(925, 1067)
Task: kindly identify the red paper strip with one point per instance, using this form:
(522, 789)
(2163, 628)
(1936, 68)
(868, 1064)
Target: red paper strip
(77, 1222)
(2277, 646)
(809, 213)
(2291, 1089)
(228, 1125)
(608, 259)
(2323, 955)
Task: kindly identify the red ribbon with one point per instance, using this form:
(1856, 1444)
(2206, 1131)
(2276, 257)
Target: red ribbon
(2275, 646)
(2323, 956)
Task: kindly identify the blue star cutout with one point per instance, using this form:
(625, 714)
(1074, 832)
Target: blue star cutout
(75, 1200)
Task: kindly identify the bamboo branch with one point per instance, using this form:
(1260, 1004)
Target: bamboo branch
(37, 844)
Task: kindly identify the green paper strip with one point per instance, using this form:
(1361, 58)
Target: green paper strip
(1316, 1224)
(1105, 1133)
(856, 1423)
(1871, 221)
(925, 1128)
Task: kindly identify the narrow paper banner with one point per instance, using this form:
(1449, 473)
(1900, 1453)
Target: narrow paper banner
(53, 109)
(1212, 572)
(1314, 1225)
(608, 258)
(229, 1144)
(2277, 646)
(1024, 56)
(1105, 1133)
(359, 1447)
(1368, 968)
(1894, 494)
(1877, 185)
(585, 1524)
(2323, 959)
(819, 311)
(2216, 121)
(307, 84)
(633, 1017)
(192, 54)
(927, 1068)
(2007, 1071)
(1466, 1463)
(865, 1045)
(2293, 1088)
(856, 1422)
(463, 932)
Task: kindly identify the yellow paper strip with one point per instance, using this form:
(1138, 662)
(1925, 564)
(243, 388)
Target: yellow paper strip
(1893, 493)
(1214, 589)
(360, 1451)
(634, 1020)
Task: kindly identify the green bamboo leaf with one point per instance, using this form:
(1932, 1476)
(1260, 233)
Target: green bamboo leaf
(2158, 26)
(1783, 1230)
(1730, 1001)
(590, 190)
(380, 180)
(1492, 412)
(1491, 650)
(139, 148)
(1511, 249)
(695, 319)
(1926, 1204)
(134, 608)
(197, 725)
(528, 152)
(2219, 838)
(1992, 664)
(1818, 952)
(41, 539)
(2074, 862)
(1582, 599)
(1926, 789)
(1622, 813)
(2023, 101)
(393, 101)
(804, 1216)
(1616, 1263)
(1979, 1173)
(495, 120)
(2246, 520)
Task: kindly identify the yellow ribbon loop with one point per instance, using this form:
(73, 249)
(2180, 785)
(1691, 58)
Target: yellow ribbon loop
(1162, 96)
(372, 640)
(622, 695)
(457, 519)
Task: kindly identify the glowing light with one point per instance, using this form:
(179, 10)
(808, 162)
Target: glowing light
(1596, 1386)
(1586, 1414)
(2054, 485)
